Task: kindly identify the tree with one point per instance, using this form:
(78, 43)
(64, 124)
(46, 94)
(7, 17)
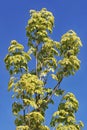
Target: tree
(53, 60)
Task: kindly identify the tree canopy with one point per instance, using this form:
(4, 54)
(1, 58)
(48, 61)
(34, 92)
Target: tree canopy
(53, 59)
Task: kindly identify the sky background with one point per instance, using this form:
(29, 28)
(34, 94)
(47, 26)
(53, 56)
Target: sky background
(69, 14)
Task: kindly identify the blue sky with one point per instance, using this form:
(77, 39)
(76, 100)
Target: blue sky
(69, 14)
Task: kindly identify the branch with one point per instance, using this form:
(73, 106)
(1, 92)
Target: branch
(53, 91)
(36, 95)
(24, 112)
(24, 107)
(36, 58)
(49, 96)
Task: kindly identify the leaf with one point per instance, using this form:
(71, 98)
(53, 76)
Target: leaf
(36, 117)
(30, 102)
(81, 124)
(42, 127)
(11, 83)
(59, 92)
(54, 77)
(48, 90)
(15, 46)
(16, 107)
(56, 114)
(22, 127)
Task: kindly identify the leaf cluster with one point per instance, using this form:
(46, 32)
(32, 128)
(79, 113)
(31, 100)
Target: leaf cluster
(16, 59)
(64, 118)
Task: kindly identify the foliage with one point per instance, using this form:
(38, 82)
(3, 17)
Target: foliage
(64, 118)
(54, 60)
(17, 58)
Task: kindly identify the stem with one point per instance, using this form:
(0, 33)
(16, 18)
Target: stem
(49, 96)
(24, 107)
(36, 67)
(54, 90)
(36, 58)
(24, 113)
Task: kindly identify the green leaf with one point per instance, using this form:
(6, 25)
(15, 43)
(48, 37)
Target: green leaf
(54, 77)
(30, 102)
(11, 83)
(22, 127)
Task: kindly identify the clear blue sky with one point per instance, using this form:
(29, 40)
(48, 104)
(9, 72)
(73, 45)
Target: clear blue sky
(69, 14)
